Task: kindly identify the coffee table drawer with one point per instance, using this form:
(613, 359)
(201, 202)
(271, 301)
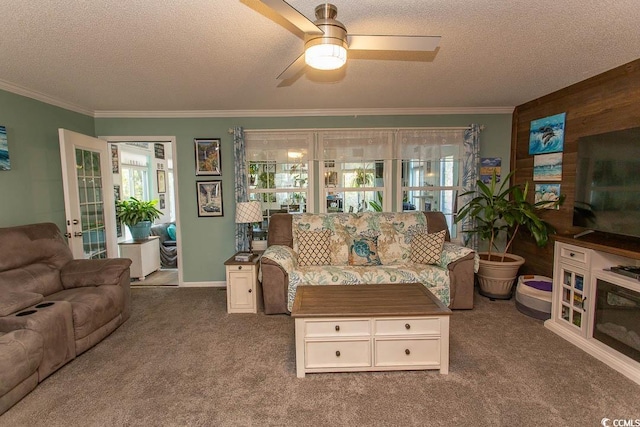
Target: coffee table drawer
(337, 328)
(338, 354)
(429, 326)
(407, 352)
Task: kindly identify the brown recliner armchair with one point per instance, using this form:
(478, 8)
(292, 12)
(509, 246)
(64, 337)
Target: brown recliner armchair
(52, 307)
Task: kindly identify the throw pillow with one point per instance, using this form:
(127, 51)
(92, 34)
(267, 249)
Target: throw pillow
(427, 248)
(363, 250)
(313, 247)
(171, 231)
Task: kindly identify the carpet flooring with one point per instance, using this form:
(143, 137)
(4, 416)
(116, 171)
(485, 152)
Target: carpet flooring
(181, 360)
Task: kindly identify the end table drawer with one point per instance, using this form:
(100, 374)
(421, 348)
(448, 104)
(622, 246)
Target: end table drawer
(337, 328)
(338, 354)
(573, 254)
(407, 327)
(240, 267)
(416, 352)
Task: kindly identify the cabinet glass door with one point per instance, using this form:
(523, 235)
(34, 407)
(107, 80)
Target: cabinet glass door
(573, 299)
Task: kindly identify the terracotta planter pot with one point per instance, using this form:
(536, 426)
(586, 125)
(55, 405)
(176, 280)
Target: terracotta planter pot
(496, 277)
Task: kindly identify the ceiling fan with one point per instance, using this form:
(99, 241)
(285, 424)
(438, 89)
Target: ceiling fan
(326, 40)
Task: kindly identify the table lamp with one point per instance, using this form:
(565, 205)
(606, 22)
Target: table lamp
(248, 213)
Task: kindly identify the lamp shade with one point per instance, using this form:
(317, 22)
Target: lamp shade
(247, 212)
(326, 56)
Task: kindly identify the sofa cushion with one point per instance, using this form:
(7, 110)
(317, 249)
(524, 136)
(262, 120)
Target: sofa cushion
(93, 272)
(363, 250)
(171, 231)
(20, 354)
(314, 248)
(394, 231)
(427, 248)
(11, 302)
(92, 307)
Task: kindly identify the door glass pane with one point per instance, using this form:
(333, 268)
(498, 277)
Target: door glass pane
(91, 203)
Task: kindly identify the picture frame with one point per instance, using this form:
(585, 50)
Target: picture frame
(115, 159)
(547, 167)
(546, 135)
(116, 196)
(547, 193)
(162, 181)
(158, 150)
(209, 198)
(161, 202)
(208, 157)
(5, 162)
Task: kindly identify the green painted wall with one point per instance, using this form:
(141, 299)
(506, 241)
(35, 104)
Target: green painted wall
(32, 190)
(208, 242)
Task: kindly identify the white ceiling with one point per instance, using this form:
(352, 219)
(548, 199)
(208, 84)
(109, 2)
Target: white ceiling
(223, 56)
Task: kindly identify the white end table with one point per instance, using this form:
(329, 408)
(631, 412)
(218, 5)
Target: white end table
(144, 256)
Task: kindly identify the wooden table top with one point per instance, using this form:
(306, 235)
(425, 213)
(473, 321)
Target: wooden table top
(407, 299)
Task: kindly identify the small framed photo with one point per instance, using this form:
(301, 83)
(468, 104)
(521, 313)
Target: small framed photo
(209, 198)
(162, 201)
(208, 156)
(162, 182)
(158, 150)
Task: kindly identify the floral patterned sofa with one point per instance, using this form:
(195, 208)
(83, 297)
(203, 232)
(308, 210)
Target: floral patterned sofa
(364, 248)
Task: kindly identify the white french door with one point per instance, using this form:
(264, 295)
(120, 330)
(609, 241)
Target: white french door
(88, 196)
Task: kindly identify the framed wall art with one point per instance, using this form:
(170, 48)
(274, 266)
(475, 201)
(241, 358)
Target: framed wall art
(209, 194)
(546, 135)
(162, 181)
(5, 164)
(208, 156)
(158, 150)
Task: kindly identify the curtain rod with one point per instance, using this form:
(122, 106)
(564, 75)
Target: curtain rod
(360, 129)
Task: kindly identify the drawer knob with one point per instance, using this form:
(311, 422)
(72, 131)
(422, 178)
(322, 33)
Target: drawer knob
(250, 290)
(240, 267)
(571, 254)
(407, 351)
(407, 326)
(337, 329)
(338, 353)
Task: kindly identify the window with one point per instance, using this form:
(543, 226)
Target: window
(353, 165)
(279, 172)
(430, 173)
(135, 176)
(354, 170)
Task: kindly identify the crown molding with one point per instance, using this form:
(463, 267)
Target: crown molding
(305, 113)
(39, 96)
(47, 99)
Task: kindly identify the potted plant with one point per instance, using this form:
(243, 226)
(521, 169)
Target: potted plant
(138, 215)
(501, 212)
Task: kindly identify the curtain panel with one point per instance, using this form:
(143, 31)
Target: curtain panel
(241, 177)
(470, 175)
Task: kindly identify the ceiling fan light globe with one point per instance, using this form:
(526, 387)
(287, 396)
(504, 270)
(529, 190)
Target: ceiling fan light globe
(325, 56)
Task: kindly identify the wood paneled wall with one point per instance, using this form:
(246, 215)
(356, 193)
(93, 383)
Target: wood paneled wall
(607, 102)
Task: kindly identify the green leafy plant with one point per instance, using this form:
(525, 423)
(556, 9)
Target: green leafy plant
(504, 210)
(362, 177)
(133, 211)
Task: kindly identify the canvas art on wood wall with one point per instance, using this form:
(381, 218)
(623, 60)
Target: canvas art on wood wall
(546, 135)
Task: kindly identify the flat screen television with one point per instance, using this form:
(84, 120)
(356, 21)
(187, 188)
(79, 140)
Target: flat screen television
(607, 194)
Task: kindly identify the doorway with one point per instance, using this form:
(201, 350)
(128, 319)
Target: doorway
(145, 168)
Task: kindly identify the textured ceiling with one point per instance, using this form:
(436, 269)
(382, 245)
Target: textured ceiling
(224, 55)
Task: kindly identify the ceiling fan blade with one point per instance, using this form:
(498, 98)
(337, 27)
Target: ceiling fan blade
(293, 69)
(403, 43)
(289, 13)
